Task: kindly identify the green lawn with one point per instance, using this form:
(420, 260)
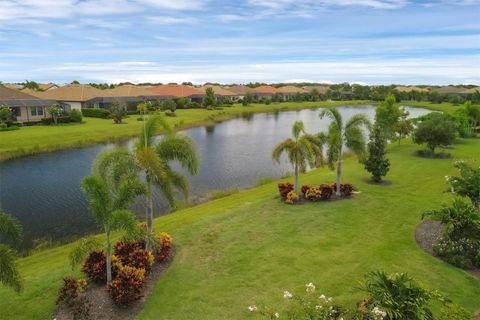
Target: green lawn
(248, 247)
(39, 138)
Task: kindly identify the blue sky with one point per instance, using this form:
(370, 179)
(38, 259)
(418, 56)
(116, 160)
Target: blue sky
(356, 41)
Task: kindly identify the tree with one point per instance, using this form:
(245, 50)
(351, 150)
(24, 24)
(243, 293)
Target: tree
(117, 112)
(473, 114)
(181, 102)
(467, 184)
(11, 229)
(437, 130)
(31, 85)
(247, 99)
(113, 186)
(169, 104)
(75, 82)
(304, 149)
(404, 126)
(55, 111)
(209, 99)
(154, 160)
(338, 135)
(376, 163)
(5, 114)
(387, 116)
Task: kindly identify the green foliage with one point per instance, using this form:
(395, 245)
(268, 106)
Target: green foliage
(404, 126)
(75, 115)
(9, 275)
(96, 113)
(247, 99)
(82, 249)
(387, 116)
(209, 100)
(376, 162)
(55, 111)
(31, 85)
(398, 295)
(127, 286)
(302, 151)
(5, 114)
(169, 105)
(467, 184)
(117, 112)
(453, 311)
(438, 131)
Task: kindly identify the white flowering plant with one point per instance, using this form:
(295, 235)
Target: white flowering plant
(467, 184)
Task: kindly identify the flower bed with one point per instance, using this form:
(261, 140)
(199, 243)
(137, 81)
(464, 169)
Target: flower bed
(313, 193)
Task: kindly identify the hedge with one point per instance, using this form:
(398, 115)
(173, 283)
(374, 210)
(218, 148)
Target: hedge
(96, 113)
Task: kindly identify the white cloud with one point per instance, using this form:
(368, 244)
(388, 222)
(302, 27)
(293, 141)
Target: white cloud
(170, 20)
(315, 4)
(407, 71)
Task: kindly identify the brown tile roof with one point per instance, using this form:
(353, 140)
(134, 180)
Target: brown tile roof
(471, 90)
(15, 86)
(176, 90)
(265, 90)
(71, 92)
(290, 89)
(128, 90)
(448, 89)
(410, 89)
(218, 90)
(47, 86)
(7, 94)
(240, 90)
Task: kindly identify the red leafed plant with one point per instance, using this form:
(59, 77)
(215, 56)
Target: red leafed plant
(304, 189)
(71, 289)
(95, 266)
(127, 286)
(326, 191)
(346, 189)
(284, 188)
(164, 252)
(134, 254)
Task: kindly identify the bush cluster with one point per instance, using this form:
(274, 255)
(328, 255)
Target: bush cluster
(73, 295)
(134, 254)
(95, 266)
(318, 193)
(284, 188)
(163, 253)
(96, 113)
(127, 285)
(463, 253)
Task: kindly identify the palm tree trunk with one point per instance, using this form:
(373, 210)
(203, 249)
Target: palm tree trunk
(295, 182)
(109, 258)
(339, 173)
(149, 212)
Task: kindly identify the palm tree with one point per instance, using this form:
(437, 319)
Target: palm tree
(350, 135)
(113, 186)
(10, 228)
(304, 149)
(154, 160)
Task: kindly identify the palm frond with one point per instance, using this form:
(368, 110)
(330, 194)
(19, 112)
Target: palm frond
(128, 190)
(112, 165)
(9, 275)
(357, 121)
(151, 163)
(180, 182)
(284, 146)
(297, 129)
(99, 198)
(150, 129)
(82, 249)
(10, 227)
(123, 220)
(355, 141)
(334, 116)
(181, 149)
(316, 142)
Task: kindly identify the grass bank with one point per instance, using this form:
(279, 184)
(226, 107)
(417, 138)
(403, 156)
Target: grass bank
(248, 247)
(36, 139)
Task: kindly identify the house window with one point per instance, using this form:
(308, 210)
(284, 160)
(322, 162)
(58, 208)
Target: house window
(36, 111)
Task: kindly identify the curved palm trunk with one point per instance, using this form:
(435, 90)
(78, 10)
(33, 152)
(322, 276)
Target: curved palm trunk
(295, 182)
(109, 257)
(339, 172)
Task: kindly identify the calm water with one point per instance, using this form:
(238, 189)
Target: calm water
(43, 191)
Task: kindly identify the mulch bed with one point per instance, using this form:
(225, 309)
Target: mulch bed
(427, 234)
(102, 306)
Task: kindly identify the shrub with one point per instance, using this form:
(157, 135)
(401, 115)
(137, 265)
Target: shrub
(71, 289)
(133, 254)
(304, 189)
(346, 189)
(292, 197)
(438, 131)
(127, 285)
(313, 193)
(75, 116)
(95, 266)
(284, 188)
(170, 113)
(164, 252)
(96, 113)
(463, 253)
(5, 127)
(453, 311)
(467, 184)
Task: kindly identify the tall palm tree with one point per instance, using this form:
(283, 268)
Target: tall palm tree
(302, 150)
(10, 228)
(154, 160)
(338, 135)
(110, 190)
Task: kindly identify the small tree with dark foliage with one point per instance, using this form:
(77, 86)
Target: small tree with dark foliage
(376, 163)
(117, 113)
(209, 100)
(437, 131)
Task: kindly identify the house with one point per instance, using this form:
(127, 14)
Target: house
(320, 89)
(448, 90)
(72, 96)
(240, 90)
(288, 92)
(409, 89)
(127, 95)
(469, 92)
(47, 86)
(221, 92)
(264, 92)
(178, 91)
(25, 107)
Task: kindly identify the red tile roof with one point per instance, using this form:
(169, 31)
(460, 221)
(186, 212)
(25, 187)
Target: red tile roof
(265, 90)
(176, 90)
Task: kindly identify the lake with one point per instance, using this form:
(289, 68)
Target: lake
(43, 190)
